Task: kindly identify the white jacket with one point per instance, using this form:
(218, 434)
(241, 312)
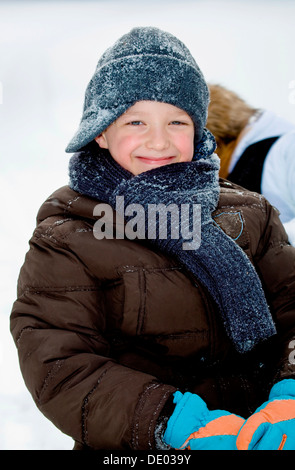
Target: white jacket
(278, 175)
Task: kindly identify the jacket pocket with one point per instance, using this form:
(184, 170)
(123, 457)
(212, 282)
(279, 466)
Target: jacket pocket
(134, 302)
(161, 301)
(124, 301)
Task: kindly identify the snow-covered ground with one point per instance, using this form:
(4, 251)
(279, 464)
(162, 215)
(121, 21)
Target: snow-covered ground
(48, 51)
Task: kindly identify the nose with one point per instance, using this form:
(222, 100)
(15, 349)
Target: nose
(157, 139)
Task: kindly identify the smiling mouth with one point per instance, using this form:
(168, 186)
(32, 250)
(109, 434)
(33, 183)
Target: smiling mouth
(156, 161)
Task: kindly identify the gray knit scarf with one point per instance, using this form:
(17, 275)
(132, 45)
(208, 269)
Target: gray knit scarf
(218, 263)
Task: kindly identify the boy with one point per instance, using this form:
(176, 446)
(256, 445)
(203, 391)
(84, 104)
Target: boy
(134, 340)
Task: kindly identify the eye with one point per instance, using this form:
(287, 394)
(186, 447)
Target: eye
(178, 123)
(134, 123)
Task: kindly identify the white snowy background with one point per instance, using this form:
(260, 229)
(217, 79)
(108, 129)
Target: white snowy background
(48, 51)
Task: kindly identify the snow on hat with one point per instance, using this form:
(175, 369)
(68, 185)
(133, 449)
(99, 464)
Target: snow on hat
(144, 64)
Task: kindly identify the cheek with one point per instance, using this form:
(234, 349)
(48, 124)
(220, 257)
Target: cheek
(185, 144)
(122, 149)
(126, 144)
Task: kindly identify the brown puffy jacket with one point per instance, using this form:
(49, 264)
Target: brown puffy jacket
(107, 330)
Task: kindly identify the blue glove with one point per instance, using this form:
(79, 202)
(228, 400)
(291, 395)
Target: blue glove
(272, 426)
(193, 426)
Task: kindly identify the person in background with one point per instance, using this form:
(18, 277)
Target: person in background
(256, 149)
(129, 340)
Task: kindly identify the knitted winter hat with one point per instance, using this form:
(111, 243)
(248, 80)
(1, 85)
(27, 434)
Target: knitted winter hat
(144, 64)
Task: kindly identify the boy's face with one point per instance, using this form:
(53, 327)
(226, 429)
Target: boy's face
(148, 135)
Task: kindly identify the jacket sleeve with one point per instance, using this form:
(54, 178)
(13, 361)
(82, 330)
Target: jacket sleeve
(290, 229)
(275, 262)
(58, 323)
(278, 181)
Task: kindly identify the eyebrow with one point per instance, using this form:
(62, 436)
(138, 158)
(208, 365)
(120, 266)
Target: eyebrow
(142, 113)
(132, 113)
